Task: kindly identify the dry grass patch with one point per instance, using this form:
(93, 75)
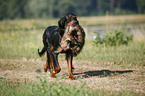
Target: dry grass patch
(97, 77)
(97, 20)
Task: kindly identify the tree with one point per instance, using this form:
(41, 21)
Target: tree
(111, 5)
(12, 9)
(3, 9)
(64, 6)
(141, 6)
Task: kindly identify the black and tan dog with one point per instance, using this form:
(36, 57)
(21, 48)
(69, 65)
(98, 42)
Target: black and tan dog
(54, 36)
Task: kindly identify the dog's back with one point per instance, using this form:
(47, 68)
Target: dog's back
(51, 37)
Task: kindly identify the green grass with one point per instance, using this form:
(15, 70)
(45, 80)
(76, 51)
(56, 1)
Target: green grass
(133, 53)
(19, 44)
(25, 44)
(53, 88)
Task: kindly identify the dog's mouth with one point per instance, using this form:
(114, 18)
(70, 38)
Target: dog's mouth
(66, 39)
(66, 44)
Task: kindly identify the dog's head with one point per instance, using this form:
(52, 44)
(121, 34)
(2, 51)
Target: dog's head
(68, 20)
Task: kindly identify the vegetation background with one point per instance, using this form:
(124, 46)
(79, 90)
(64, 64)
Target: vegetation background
(11, 9)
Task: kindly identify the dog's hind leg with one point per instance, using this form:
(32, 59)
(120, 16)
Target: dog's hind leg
(47, 65)
(52, 66)
(50, 63)
(56, 64)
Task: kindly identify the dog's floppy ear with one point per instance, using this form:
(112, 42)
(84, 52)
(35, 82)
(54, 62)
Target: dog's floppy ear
(61, 22)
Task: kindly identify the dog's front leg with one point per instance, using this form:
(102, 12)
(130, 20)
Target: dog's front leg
(69, 58)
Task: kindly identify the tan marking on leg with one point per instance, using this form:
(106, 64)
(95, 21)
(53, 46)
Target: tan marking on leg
(46, 67)
(51, 48)
(52, 67)
(70, 70)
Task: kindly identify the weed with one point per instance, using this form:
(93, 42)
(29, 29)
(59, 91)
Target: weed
(113, 38)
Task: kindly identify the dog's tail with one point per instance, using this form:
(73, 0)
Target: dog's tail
(42, 51)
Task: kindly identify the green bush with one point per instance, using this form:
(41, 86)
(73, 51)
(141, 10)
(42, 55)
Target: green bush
(113, 38)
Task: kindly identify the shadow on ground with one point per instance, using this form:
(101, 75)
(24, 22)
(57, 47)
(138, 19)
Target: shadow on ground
(100, 73)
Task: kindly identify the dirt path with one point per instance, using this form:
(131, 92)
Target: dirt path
(97, 76)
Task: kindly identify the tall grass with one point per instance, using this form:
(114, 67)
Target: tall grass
(19, 44)
(25, 44)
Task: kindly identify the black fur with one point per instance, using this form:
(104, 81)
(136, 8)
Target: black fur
(51, 37)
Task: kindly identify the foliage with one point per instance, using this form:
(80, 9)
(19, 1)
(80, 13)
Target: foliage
(11, 9)
(141, 6)
(113, 38)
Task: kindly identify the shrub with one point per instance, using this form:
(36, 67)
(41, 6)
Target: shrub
(113, 38)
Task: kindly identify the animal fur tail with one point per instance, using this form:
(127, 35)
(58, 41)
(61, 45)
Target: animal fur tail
(42, 52)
